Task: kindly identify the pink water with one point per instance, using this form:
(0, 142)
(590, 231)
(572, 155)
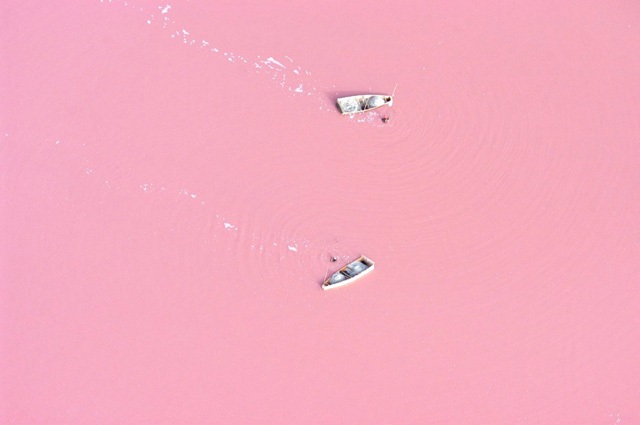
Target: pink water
(175, 177)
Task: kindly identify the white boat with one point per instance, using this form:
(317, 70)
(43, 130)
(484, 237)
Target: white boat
(349, 273)
(363, 103)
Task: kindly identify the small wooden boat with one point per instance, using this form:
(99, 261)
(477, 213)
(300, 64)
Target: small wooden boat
(349, 273)
(364, 102)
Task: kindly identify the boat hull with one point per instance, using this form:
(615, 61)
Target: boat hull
(363, 103)
(350, 273)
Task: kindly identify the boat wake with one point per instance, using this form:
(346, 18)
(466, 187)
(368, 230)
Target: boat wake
(282, 72)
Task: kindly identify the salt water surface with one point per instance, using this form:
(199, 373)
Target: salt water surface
(176, 177)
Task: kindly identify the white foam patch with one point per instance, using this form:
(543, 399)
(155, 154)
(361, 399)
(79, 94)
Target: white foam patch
(271, 60)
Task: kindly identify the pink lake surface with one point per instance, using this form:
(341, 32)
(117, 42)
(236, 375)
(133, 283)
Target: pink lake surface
(175, 177)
